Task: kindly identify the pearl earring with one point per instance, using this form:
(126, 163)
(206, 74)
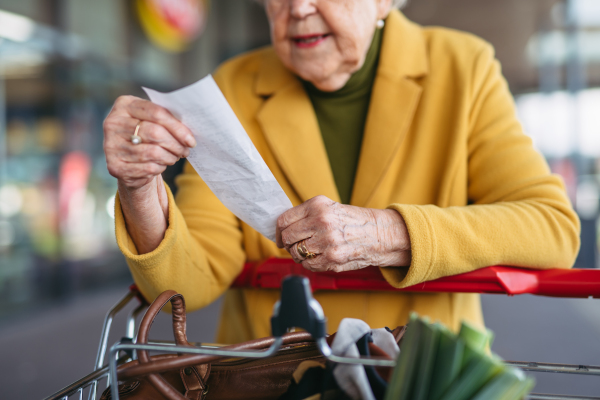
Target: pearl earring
(380, 23)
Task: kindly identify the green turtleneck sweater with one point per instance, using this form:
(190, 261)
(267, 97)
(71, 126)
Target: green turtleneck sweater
(342, 115)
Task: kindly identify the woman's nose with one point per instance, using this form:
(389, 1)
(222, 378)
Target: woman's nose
(302, 8)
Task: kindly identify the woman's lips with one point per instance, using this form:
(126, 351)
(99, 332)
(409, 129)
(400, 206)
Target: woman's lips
(307, 41)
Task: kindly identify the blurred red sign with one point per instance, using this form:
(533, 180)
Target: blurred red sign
(172, 24)
(185, 15)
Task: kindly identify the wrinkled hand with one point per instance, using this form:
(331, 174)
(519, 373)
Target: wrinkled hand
(164, 141)
(343, 237)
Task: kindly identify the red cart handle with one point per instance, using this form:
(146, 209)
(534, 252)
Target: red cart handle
(500, 280)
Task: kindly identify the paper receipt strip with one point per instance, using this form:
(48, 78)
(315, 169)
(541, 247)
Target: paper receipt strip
(225, 157)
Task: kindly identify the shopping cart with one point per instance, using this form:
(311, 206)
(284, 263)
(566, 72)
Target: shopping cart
(580, 283)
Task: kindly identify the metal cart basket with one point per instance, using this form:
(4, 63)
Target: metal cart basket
(579, 283)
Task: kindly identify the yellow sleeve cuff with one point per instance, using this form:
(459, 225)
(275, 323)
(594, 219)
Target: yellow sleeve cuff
(423, 248)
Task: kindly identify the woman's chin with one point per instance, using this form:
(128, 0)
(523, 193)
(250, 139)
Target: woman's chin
(326, 75)
(326, 82)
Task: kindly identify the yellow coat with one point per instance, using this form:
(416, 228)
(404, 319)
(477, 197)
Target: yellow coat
(442, 146)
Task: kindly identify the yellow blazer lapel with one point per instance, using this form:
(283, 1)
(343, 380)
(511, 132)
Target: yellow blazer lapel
(290, 126)
(393, 103)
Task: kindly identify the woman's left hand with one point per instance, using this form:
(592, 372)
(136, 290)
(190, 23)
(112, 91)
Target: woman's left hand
(343, 237)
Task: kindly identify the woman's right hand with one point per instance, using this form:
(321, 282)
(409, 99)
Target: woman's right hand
(164, 141)
(137, 167)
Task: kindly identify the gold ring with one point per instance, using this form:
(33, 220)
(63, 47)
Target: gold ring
(135, 138)
(304, 253)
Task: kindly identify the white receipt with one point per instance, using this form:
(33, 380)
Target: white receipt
(225, 157)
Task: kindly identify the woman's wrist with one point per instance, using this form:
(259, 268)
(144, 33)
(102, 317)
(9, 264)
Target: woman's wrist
(146, 212)
(393, 238)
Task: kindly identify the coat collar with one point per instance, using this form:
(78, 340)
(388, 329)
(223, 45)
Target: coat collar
(292, 131)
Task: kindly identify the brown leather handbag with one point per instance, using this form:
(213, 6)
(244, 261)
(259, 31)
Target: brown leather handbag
(198, 377)
(177, 377)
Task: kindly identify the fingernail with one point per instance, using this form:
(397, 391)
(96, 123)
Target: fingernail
(191, 142)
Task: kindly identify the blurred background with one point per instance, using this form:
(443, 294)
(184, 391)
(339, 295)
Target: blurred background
(63, 63)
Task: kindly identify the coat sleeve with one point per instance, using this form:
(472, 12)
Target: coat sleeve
(519, 215)
(201, 253)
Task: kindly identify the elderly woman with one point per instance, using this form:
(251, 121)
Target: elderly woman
(397, 144)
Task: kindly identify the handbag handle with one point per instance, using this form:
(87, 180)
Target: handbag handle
(179, 318)
(179, 331)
